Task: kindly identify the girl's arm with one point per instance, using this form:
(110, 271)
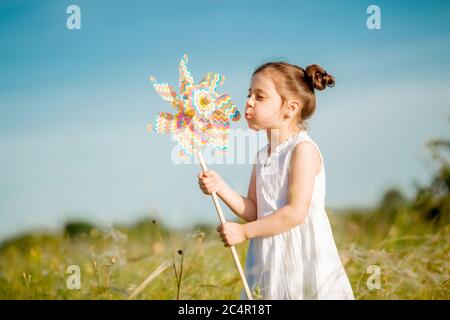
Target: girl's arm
(305, 164)
(243, 207)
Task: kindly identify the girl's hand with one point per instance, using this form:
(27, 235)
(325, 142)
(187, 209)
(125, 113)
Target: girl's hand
(232, 233)
(210, 182)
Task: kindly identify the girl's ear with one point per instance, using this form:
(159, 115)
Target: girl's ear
(293, 107)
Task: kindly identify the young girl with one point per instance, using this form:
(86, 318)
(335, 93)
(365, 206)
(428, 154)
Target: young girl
(292, 254)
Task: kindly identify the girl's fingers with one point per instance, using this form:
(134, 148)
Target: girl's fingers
(204, 180)
(203, 176)
(209, 174)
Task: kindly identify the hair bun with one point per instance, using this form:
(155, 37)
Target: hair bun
(318, 78)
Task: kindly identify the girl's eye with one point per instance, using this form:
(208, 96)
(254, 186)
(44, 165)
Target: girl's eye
(257, 97)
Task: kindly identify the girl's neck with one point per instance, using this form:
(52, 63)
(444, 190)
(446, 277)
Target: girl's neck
(278, 136)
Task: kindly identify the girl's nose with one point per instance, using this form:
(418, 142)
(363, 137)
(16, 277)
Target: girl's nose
(250, 103)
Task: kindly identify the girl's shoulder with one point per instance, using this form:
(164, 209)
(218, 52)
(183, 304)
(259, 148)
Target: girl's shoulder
(307, 145)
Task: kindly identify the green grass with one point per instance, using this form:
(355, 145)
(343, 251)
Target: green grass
(413, 257)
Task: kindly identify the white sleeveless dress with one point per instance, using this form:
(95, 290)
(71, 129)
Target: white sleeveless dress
(302, 263)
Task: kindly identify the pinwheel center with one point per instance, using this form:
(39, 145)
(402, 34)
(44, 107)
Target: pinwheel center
(205, 101)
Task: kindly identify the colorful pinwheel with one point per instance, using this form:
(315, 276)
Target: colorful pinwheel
(202, 118)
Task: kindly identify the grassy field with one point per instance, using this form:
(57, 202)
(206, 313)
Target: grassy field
(413, 259)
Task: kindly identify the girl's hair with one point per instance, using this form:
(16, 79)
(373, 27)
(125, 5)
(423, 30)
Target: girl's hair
(293, 81)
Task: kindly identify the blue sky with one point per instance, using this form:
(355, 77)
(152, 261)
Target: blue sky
(74, 104)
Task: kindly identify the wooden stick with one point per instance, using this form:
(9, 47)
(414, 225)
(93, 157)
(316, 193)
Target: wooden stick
(222, 220)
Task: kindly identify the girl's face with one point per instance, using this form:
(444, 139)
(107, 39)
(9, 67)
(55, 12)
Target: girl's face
(262, 110)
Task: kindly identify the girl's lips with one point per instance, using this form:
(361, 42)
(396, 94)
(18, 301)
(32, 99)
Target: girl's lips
(247, 116)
